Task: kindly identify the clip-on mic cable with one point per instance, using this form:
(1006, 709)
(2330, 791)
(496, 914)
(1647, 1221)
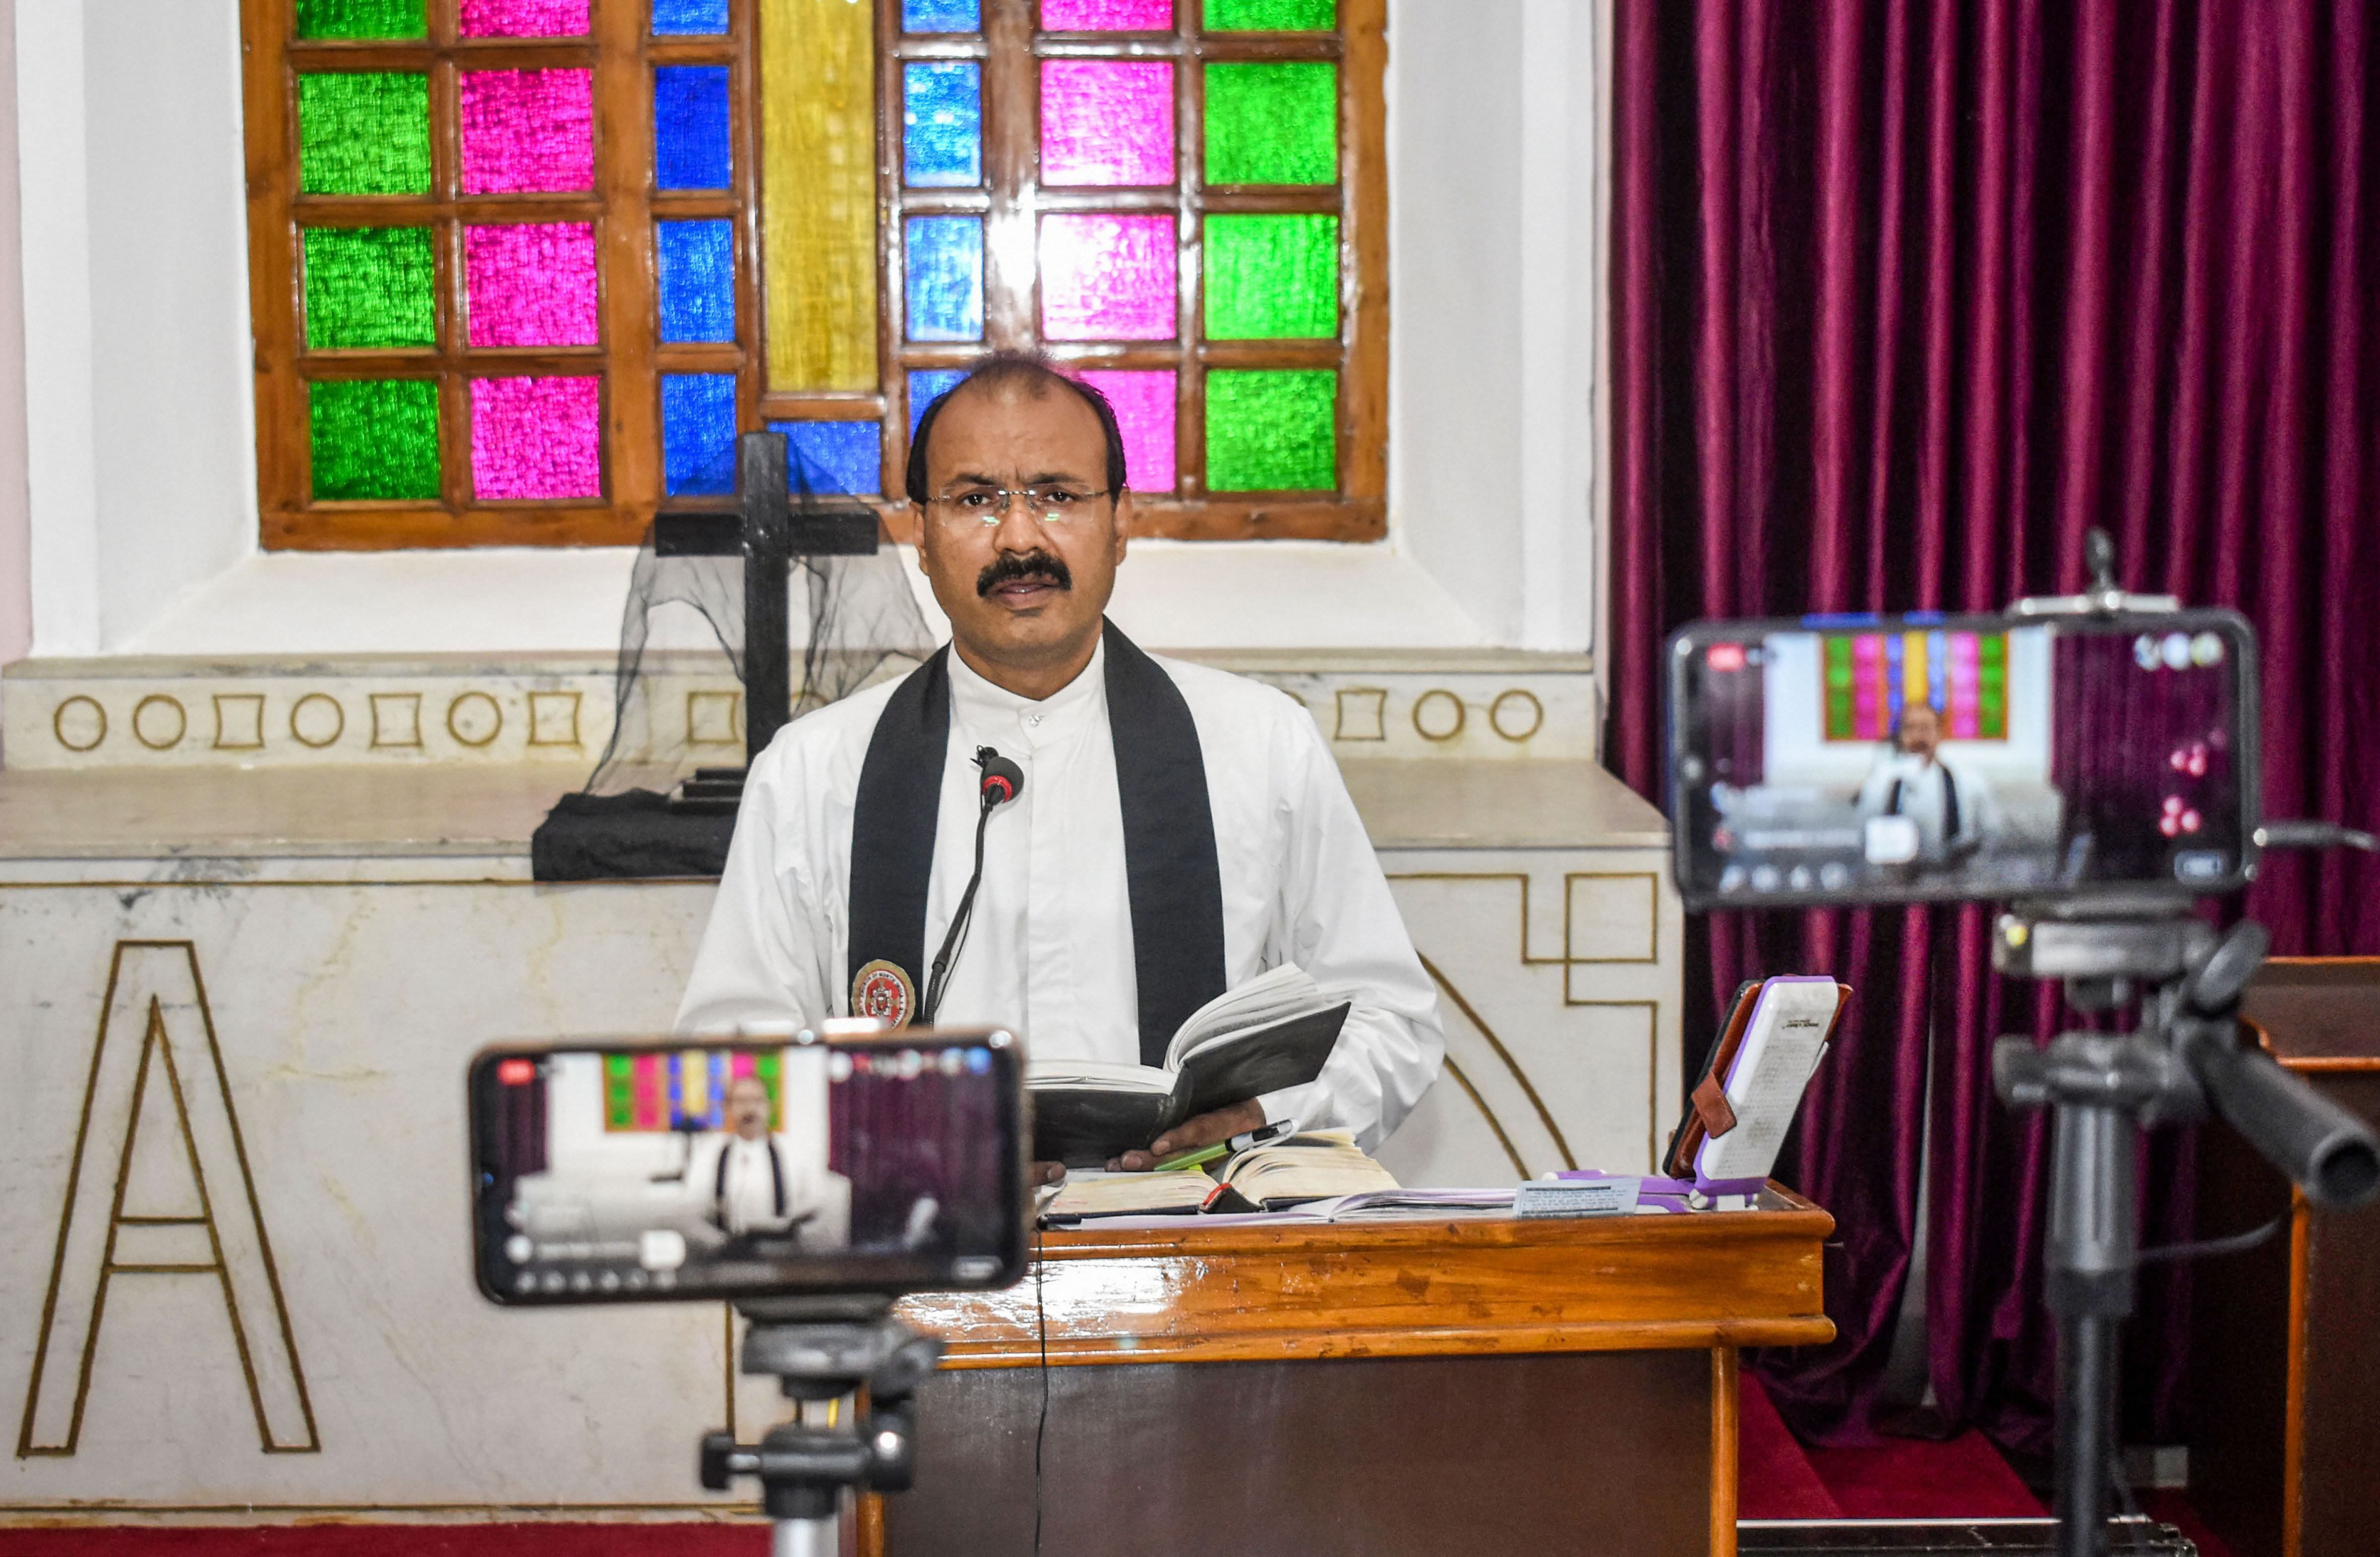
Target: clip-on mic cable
(1002, 782)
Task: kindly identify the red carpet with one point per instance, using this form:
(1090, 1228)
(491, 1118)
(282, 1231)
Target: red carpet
(394, 1540)
(1901, 1478)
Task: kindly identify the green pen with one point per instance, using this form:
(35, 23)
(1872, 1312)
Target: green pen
(1198, 1157)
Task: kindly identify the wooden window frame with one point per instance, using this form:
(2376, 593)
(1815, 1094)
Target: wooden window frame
(623, 206)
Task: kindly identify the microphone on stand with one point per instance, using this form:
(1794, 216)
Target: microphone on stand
(1002, 782)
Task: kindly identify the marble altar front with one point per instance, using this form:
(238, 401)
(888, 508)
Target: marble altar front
(236, 1002)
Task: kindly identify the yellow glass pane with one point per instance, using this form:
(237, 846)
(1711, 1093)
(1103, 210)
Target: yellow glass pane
(818, 193)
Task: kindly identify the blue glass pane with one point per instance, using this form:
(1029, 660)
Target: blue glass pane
(940, 16)
(942, 120)
(699, 433)
(927, 385)
(945, 278)
(697, 261)
(690, 133)
(834, 456)
(679, 16)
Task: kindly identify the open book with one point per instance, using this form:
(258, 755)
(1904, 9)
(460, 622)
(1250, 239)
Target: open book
(1274, 1031)
(1313, 1166)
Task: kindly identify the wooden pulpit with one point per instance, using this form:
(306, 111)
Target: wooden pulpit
(2285, 1356)
(1419, 1386)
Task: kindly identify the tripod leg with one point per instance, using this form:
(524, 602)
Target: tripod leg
(2093, 1229)
(2087, 1355)
(805, 1538)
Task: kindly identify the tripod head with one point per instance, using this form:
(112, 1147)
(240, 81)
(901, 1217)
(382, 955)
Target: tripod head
(2189, 1060)
(823, 1349)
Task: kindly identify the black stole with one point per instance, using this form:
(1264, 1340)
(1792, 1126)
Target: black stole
(1168, 835)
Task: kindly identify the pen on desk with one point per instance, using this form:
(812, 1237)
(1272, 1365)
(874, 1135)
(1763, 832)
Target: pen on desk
(1200, 1156)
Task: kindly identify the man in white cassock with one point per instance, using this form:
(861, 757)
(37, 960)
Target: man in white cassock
(754, 1188)
(1179, 830)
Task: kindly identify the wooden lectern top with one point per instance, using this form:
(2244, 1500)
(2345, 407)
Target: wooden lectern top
(1420, 1286)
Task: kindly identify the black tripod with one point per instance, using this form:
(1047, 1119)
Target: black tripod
(824, 1350)
(2184, 1060)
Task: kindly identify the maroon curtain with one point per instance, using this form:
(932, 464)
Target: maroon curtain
(900, 1133)
(1906, 298)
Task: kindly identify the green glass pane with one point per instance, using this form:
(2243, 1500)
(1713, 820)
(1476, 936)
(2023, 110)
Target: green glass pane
(1272, 278)
(1272, 430)
(375, 439)
(1272, 124)
(361, 18)
(363, 133)
(368, 286)
(1271, 15)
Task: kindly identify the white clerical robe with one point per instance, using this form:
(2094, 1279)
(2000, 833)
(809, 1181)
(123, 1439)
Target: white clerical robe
(1049, 953)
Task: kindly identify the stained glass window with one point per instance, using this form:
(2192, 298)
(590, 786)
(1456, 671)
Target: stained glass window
(1258, 371)
(1107, 121)
(369, 286)
(940, 16)
(1108, 15)
(1272, 277)
(945, 278)
(838, 457)
(1108, 277)
(531, 284)
(1271, 15)
(375, 440)
(941, 124)
(530, 277)
(695, 271)
(1271, 431)
(1272, 124)
(527, 131)
(361, 18)
(537, 438)
(688, 17)
(363, 133)
(699, 434)
(692, 138)
(522, 18)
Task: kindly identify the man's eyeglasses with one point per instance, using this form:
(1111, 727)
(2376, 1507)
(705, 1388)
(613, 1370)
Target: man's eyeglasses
(989, 506)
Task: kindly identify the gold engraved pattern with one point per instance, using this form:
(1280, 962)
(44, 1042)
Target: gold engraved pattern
(159, 722)
(84, 718)
(1528, 714)
(474, 720)
(396, 718)
(1363, 714)
(553, 718)
(1439, 715)
(99, 1239)
(715, 718)
(308, 718)
(239, 721)
(1519, 1077)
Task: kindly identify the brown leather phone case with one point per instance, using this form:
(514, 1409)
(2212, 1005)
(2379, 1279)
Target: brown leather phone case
(1706, 1111)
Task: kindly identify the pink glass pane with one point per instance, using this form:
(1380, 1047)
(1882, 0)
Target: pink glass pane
(537, 438)
(1107, 278)
(1106, 16)
(524, 18)
(1107, 121)
(527, 130)
(1144, 408)
(530, 285)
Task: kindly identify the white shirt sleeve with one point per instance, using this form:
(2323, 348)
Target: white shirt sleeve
(759, 961)
(1344, 929)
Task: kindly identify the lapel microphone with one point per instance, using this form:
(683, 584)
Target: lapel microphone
(1001, 781)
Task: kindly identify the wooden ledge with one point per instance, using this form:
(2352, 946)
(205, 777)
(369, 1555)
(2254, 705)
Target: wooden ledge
(1404, 1289)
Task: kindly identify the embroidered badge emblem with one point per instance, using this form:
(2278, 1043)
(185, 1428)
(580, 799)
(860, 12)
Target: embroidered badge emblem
(884, 991)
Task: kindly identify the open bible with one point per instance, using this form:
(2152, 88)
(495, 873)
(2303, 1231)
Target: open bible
(1274, 1031)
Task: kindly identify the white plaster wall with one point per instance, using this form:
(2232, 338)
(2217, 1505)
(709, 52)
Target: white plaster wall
(141, 468)
(16, 536)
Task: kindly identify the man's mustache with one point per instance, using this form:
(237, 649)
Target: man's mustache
(1014, 567)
